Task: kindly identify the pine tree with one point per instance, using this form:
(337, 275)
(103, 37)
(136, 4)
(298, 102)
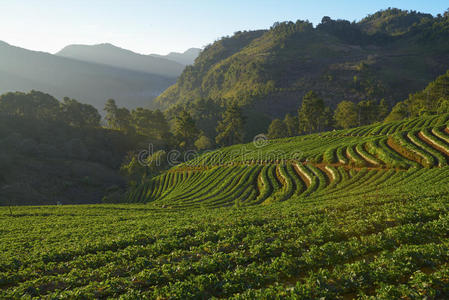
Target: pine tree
(230, 128)
(185, 129)
(310, 113)
(291, 123)
(346, 115)
(277, 129)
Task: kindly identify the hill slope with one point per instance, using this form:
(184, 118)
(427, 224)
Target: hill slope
(387, 55)
(24, 70)
(111, 55)
(343, 232)
(320, 165)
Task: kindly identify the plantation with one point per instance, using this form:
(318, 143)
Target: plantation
(344, 214)
(301, 166)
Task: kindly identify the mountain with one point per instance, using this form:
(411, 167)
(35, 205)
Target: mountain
(186, 58)
(392, 21)
(389, 54)
(111, 55)
(24, 70)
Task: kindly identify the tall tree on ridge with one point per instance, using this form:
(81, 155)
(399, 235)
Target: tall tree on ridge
(291, 123)
(185, 129)
(230, 128)
(310, 113)
(346, 115)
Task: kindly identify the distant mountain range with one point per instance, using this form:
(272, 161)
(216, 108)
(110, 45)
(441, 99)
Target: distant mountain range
(90, 74)
(111, 55)
(186, 58)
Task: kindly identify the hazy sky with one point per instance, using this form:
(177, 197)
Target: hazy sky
(161, 26)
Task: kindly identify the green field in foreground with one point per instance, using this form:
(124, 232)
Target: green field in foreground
(366, 215)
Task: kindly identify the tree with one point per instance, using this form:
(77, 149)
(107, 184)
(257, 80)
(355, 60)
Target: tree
(35, 105)
(443, 106)
(399, 112)
(383, 110)
(277, 129)
(111, 113)
(161, 126)
(346, 115)
(310, 113)
(368, 112)
(327, 119)
(78, 114)
(230, 128)
(203, 143)
(207, 113)
(118, 118)
(185, 129)
(291, 123)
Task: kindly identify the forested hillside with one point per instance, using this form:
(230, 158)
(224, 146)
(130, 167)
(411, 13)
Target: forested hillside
(387, 55)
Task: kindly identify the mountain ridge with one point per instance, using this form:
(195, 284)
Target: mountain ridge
(25, 70)
(186, 58)
(272, 69)
(112, 55)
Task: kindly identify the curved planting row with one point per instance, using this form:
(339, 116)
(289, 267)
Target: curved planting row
(343, 168)
(236, 185)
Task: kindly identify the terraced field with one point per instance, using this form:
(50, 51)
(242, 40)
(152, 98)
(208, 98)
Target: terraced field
(303, 167)
(336, 216)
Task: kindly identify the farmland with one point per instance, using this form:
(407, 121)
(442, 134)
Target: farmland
(343, 214)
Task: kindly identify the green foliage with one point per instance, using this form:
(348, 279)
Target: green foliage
(432, 100)
(392, 21)
(329, 231)
(44, 107)
(79, 114)
(277, 129)
(346, 114)
(230, 128)
(267, 70)
(185, 130)
(313, 115)
(203, 143)
(292, 125)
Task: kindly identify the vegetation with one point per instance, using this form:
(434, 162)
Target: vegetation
(412, 144)
(434, 99)
(332, 230)
(358, 212)
(388, 55)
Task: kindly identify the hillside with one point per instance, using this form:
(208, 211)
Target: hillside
(111, 55)
(24, 70)
(320, 165)
(45, 162)
(389, 54)
(186, 58)
(359, 213)
(434, 99)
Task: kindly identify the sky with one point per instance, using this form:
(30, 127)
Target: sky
(162, 26)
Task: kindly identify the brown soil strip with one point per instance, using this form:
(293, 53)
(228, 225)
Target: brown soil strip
(303, 177)
(446, 130)
(432, 144)
(279, 176)
(403, 152)
(329, 176)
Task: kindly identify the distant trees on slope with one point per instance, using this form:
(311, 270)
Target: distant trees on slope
(44, 107)
(434, 99)
(314, 116)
